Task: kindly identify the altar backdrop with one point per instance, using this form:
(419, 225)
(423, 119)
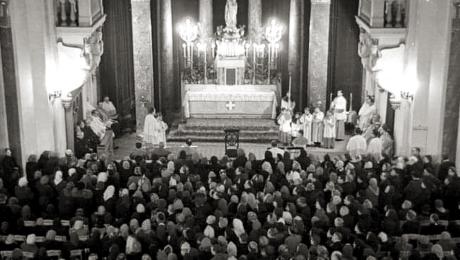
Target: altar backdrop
(117, 71)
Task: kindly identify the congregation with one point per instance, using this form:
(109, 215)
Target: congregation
(184, 206)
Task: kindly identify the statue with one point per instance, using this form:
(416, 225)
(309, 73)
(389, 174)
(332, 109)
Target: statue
(231, 9)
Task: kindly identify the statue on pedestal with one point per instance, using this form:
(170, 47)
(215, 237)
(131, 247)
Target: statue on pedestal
(231, 10)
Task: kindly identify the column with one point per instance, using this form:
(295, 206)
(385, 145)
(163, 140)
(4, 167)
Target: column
(451, 114)
(69, 123)
(294, 48)
(32, 31)
(457, 157)
(254, 20)
(3, 120)
(168, 92)
(206, 17)
(318, 51)
(402, 129)
(143, 59)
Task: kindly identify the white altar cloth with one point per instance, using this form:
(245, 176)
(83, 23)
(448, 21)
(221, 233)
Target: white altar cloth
(227, 96)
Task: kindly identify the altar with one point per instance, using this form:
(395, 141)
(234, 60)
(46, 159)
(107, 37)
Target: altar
(236, 101)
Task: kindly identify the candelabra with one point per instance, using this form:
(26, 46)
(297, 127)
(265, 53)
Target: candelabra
(273, 34)
(188, 31)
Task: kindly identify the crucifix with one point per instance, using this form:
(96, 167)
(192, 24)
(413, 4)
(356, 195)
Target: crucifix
(230, 105)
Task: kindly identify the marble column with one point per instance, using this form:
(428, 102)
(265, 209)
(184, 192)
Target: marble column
(451, 114)
(318, 51)
(294, 48)
(254, 20)
(143, 59)
(3, 120)
(168, 91)
(206, 17)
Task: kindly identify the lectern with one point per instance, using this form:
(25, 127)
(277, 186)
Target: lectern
(232, 142)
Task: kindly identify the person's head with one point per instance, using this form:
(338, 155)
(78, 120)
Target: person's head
(306, 110)
(369, 100)
(339, 93)
(161, 145)
(358, 131)
(189, 142)
(8, 152)
(151, 110)
(138, 145)
(106, 99)
(317, 110)
(274, 143)
(415, 151)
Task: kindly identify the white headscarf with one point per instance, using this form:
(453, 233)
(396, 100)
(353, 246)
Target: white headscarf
(238, 227)
(30, 240)
(102, 177)
(23, 182)
(57, 177)
(109, 192)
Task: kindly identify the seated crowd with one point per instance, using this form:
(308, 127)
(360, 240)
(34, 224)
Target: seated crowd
(188, 207)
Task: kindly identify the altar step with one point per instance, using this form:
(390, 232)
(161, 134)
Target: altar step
(212, 130)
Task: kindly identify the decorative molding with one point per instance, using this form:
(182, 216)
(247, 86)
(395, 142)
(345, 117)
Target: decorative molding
(328, 2)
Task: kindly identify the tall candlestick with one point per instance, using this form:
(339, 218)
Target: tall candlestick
(351, 101)
(290, 88)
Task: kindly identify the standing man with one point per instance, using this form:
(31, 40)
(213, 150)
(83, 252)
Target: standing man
(339, 107)
(152, 129)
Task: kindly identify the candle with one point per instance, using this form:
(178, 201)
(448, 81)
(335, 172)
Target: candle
(351, 101)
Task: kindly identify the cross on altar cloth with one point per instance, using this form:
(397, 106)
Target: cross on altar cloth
(230, 105)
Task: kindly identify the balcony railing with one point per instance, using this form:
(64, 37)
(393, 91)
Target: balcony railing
(78, 13)
(384, 13)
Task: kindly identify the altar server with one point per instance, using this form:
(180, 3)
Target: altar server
(339, 107)
(296, 126)
(287, 103)
(163, 128)
(329, 130)
(317, 126)
(306, 120)
(285, 120)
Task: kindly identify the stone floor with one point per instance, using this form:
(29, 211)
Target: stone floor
(127, 142)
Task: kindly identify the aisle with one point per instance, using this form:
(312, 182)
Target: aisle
(126, 144)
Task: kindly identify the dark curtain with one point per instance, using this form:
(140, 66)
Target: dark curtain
(345, 69)
(117, 69)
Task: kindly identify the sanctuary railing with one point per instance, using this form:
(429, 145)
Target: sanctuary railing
(384, 13)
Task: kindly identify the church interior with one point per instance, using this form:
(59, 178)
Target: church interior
(229, 129)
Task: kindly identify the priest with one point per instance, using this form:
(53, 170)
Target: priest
(152, 129)
(339, 107)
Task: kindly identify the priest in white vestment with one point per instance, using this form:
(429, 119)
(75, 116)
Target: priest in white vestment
(357, 145)
(366, 112)
(375, 147)
(109, 108)
(152, 129)
(103, 131)
(339, 106)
